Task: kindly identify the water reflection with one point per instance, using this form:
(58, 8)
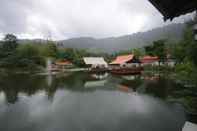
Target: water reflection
(100, 110)
(30, 103)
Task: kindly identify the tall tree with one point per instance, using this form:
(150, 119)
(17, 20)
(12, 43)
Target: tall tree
(9, 43)
(159, 49)
(149, 50)
(137, 52)
(49, 50)
(8, 51)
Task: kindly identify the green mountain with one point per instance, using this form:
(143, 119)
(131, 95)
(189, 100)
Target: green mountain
(171, 32)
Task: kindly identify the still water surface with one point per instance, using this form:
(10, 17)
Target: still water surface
(84, 102)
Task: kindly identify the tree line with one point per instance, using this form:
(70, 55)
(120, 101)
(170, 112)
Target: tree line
(32, 56)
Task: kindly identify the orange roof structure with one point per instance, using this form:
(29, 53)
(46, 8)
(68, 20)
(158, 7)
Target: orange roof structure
(149, 59)
(122, 59)
(63, 63)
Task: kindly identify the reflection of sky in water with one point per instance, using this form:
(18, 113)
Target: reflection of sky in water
(89, 111)
(2, 98)
(2, 102)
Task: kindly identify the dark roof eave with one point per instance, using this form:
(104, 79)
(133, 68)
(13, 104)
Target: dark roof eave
(159, 9)
(171, 11)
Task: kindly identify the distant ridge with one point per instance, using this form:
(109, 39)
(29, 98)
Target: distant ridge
(173, 32)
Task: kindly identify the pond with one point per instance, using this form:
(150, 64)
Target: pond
(88, 102)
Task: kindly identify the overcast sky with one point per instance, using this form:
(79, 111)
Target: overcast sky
(62, 19)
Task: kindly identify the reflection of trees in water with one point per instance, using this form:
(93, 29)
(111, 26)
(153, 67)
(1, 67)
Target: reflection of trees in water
(12, 85)
(134, 84)
(158, 88)
(163, 88)
(171, 91)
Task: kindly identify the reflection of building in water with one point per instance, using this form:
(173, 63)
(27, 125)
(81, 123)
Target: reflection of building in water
(137, 82)
(98, 83)
(124, 88)
(154, 77)
(2, 97)
(100, 76)
(132, 82)
(131, 77)
(151, 78)
(49, 80)
(49, 66)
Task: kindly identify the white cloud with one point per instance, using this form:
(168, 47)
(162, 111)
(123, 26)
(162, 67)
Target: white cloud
(62, 19)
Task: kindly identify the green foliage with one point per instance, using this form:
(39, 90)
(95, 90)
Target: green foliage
(149, 50)
(186, 48)
(49, 50)
(186, 72)
(157, 49)
(137, 52)
(190, 45)
(122, 52)
(8, 51)
(29, 56)
(74, 55)
(178, 52)
(185, 69)
(15, 56)
(10, 43)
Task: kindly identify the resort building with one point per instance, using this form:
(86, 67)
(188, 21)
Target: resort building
(126, 61)
(95, 62)
(150, 60)
(63, 64)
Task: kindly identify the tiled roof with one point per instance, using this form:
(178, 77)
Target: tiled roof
(122, 59)
(149, 59)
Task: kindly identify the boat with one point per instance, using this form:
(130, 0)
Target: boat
(98, 70)
(127, 71)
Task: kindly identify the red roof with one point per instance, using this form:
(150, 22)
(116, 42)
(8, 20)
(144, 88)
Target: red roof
(63, 62)
(149, 59)
(122, 59)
